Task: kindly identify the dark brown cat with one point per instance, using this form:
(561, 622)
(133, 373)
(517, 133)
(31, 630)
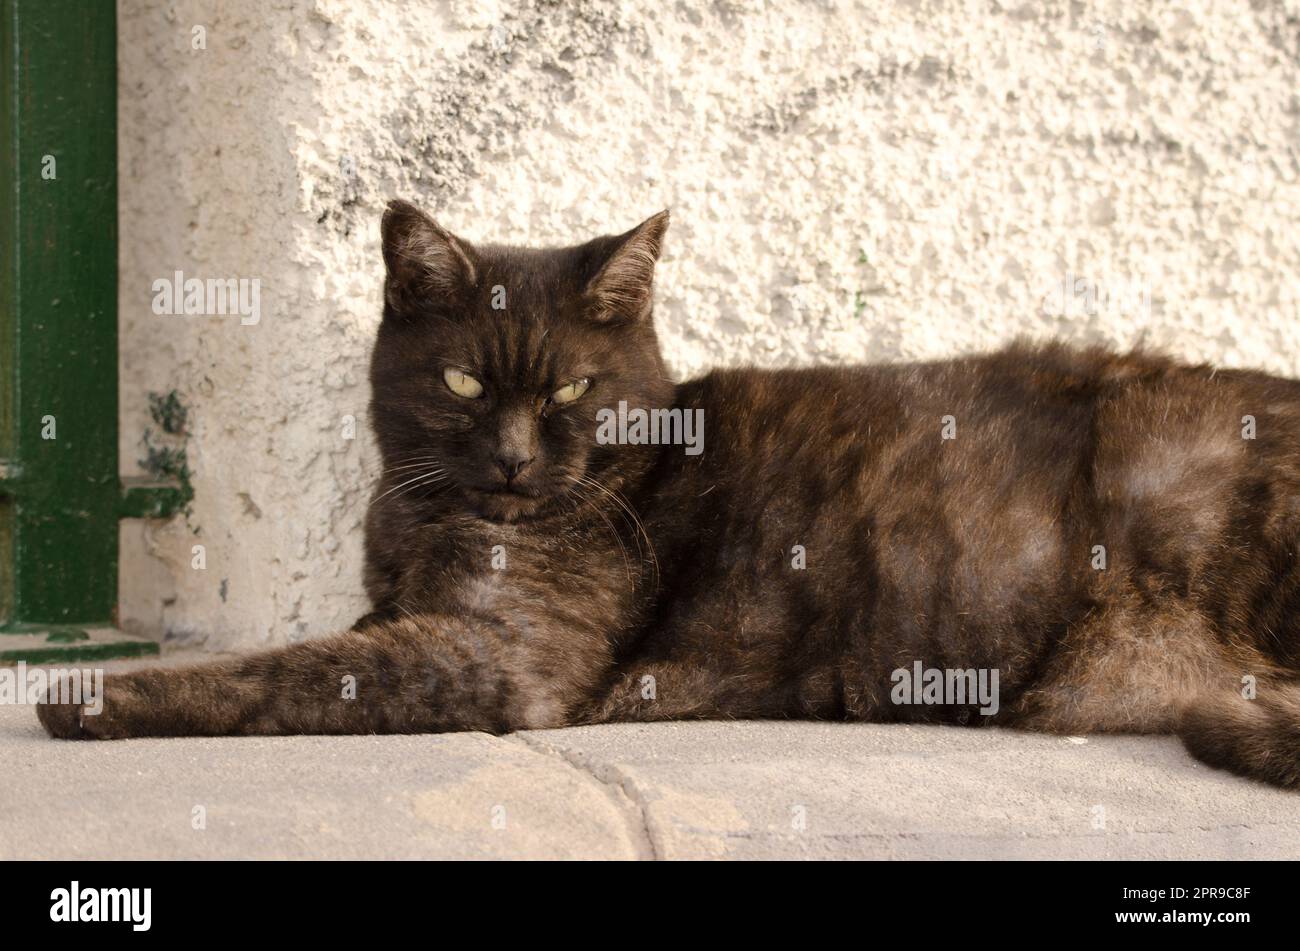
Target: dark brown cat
(1044, 538)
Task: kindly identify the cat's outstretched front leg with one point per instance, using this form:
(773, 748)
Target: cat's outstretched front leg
(427, 674)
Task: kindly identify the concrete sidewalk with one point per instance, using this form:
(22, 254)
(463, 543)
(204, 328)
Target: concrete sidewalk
(677, 790)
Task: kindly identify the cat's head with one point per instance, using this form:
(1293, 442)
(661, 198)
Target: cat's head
(492, 362)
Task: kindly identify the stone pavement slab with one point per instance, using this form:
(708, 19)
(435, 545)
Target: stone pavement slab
(751, 790)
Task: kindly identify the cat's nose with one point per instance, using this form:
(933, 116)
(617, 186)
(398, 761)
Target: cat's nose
(512, 464)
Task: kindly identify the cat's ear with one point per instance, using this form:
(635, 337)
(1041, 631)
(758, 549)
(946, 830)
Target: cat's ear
(623, 286)
(427, 265)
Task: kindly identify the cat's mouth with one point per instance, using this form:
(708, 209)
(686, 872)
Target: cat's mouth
(506, 503)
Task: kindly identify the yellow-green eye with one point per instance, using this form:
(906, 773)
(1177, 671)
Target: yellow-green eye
(570, 391)
(462, 384)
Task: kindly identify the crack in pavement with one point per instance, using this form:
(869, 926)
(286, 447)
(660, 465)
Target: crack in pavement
(627, 798)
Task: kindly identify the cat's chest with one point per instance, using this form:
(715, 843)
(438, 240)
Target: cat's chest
(487, 568)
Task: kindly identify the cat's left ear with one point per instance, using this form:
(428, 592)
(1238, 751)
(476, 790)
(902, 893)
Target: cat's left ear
(623, 287)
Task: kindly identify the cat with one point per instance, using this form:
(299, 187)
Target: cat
(1111, 536)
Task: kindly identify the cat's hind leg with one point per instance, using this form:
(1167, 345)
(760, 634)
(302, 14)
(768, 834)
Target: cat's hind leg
(1232, 707)
(1253, 733)
(1132, 671)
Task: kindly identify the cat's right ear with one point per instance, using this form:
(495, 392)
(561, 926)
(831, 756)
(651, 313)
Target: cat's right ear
(427, 266)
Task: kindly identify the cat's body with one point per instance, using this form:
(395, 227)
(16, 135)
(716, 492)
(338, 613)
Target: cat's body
(1115, 536)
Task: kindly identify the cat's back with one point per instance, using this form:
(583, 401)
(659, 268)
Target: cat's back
(1030, 405)
(1032, 428)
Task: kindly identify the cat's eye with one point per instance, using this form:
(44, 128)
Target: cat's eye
(570, 391)
(462, 384)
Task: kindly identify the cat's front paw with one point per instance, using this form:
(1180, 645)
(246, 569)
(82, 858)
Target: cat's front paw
(63, 721)
(68, 715)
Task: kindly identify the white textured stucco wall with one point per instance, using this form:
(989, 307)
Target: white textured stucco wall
(849, 181)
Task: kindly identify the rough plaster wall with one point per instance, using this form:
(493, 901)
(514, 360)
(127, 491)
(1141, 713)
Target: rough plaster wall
(849, 181)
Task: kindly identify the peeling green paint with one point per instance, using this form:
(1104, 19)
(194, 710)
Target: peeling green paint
(168, 412)
(168, 462)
